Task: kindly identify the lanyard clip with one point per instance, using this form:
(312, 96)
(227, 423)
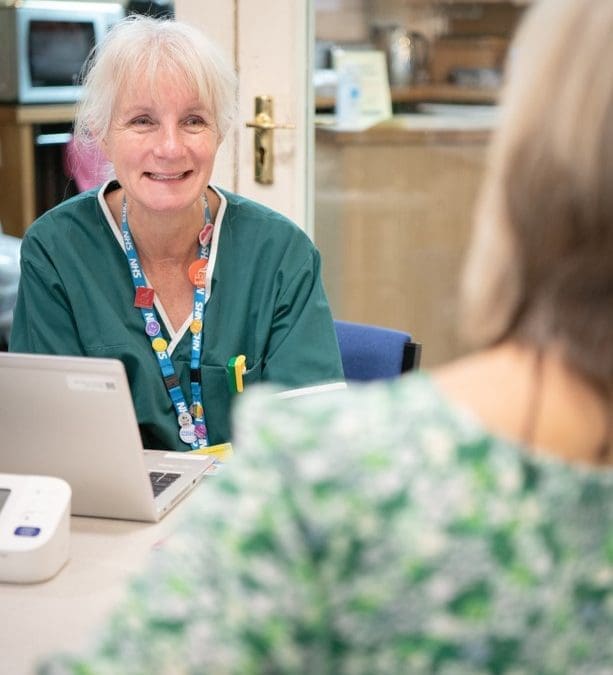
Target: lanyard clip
(236, 368)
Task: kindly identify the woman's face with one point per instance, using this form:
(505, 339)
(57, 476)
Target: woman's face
(162, 144)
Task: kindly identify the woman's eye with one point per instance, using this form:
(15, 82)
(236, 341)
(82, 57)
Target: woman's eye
(195, 122)
(142, 121)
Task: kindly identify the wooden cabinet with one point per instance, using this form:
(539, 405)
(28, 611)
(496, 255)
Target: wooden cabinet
(393, 215)
(18, 160)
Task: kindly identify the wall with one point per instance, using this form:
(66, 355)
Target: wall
(474, 34)
(350, 20)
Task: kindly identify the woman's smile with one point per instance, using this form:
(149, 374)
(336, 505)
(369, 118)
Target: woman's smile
(166, 176)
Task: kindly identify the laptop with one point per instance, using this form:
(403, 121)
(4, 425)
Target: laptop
(73, 417)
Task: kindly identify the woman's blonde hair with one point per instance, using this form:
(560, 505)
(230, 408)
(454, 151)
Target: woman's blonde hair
(540, 267)
(142, 47)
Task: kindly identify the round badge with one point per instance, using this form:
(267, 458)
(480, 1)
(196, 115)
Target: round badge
(187, 434)
(152, 328)
(205, 234)
(197, 410)
(184, 419)
(200, 430)
(197, 273)
(159, 344)
(196, 326)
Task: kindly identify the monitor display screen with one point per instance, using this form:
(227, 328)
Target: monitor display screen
(57, 51)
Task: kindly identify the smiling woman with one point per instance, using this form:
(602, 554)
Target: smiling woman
(128, 270)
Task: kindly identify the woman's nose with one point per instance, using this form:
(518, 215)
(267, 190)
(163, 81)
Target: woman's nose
(169, 142)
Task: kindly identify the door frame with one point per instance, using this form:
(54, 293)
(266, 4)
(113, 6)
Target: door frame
(270, 44)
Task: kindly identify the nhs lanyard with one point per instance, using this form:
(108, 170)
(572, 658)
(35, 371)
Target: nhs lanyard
(192, 425)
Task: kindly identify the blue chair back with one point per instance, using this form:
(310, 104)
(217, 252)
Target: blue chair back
(374, 353)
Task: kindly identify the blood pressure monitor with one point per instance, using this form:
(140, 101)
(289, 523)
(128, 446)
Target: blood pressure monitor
(34, 527)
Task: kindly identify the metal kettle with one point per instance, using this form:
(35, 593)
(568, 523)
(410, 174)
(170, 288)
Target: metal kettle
(406, 53)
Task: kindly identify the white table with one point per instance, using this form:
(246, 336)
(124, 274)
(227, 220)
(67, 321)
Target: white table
(63, 614)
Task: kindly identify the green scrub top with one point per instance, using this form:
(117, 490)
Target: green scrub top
(266, 301)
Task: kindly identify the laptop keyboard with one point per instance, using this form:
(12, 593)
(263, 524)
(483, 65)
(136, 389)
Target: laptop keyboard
(161, 480)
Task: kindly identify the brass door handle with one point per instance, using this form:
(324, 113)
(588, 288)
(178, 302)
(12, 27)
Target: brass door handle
(263, 148)
(264, 121)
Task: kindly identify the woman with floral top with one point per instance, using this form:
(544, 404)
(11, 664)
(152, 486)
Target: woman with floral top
(453, 522)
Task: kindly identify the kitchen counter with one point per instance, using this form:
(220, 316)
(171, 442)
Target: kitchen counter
(417, 93)
(432, 123)
(36, 114)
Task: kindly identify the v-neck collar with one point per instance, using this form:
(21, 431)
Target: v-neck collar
(175, 336)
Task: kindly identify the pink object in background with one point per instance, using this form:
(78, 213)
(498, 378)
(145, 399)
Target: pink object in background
(87, 167)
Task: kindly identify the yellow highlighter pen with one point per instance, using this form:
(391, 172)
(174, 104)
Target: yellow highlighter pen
(236, 368)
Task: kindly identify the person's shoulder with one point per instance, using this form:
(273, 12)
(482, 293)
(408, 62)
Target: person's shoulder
(236, 201)
(75, 210)
(412, 390)
(242, 211)
(381, 411)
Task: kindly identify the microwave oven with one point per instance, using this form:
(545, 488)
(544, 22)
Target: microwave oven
(44, 44)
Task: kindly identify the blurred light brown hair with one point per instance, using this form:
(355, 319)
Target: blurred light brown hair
(540, 267)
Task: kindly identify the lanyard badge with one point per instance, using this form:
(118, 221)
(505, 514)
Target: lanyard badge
(191, 420)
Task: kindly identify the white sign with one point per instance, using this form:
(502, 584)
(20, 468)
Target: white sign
(363, 93)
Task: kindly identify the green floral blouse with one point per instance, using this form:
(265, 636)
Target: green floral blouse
(376, 530)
